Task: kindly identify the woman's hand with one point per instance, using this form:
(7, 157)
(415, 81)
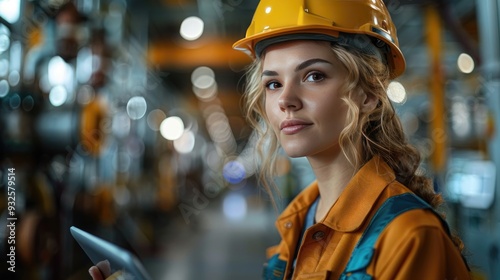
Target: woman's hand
(101, 271)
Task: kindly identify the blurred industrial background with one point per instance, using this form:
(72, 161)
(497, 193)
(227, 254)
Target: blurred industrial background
(123, 117)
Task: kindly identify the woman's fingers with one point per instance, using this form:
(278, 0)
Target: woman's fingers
(101, 270)
(95, 273)
(105, 268)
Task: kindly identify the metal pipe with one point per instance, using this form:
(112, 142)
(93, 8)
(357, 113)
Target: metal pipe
(437, 95)
(488, 12)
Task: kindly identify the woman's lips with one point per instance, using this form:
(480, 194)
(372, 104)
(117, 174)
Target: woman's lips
(289, 127)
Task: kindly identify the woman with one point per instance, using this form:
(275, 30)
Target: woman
(317, 89)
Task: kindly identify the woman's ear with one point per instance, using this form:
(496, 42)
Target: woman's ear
(368, 102)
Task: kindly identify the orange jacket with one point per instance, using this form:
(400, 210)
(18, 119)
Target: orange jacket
(413, 246)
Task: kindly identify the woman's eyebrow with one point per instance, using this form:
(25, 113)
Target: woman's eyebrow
(310, 62)
(269, 73)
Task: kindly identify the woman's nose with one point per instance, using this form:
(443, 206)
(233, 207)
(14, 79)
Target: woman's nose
(289, 99)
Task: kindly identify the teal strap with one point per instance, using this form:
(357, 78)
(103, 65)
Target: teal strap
(364, 250)
(274, 269)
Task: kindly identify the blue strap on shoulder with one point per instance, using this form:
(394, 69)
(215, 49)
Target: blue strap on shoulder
(364, 250)
(274, 269)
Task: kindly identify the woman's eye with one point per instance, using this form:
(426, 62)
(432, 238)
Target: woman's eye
(273, 85)
(315, 77)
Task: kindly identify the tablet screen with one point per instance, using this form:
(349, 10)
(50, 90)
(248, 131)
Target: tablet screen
(98, 250)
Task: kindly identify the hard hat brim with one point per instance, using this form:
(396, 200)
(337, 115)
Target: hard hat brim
(250, 45)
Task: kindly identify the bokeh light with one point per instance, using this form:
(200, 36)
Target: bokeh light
(4, 67)
(121, 124)
(10, 10)
(4, 88)
(28, 103)
(234, 206)
(203, 77)
(234, 172)
(58, 95)
(192, 28)
(15, 101)
(396, 92)
(172, 128)
(85, 94)
(14, 78)
(155, 117)
(136, 107)
(4, 42)
(59, 71)
(465, 63)
(204, 85)
(185, 143)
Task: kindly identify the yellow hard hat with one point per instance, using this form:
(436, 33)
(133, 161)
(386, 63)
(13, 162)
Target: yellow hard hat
(362, 24)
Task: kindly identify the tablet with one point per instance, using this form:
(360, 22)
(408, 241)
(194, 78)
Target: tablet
(121, 260)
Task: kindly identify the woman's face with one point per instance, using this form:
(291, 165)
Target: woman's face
(303, 81)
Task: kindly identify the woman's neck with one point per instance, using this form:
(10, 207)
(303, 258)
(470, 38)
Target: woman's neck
(332, 177)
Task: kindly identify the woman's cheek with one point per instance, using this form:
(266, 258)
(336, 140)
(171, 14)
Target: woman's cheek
(272, 119)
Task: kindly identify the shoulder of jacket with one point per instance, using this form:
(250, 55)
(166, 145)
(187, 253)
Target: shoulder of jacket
(415, 220)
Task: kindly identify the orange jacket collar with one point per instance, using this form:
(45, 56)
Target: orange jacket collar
(370, 180)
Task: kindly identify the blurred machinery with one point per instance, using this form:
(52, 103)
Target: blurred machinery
(96, 136)
(75, 135)
(116, 121)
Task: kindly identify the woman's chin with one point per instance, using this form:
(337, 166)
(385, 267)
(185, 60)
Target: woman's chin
(294, 153)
